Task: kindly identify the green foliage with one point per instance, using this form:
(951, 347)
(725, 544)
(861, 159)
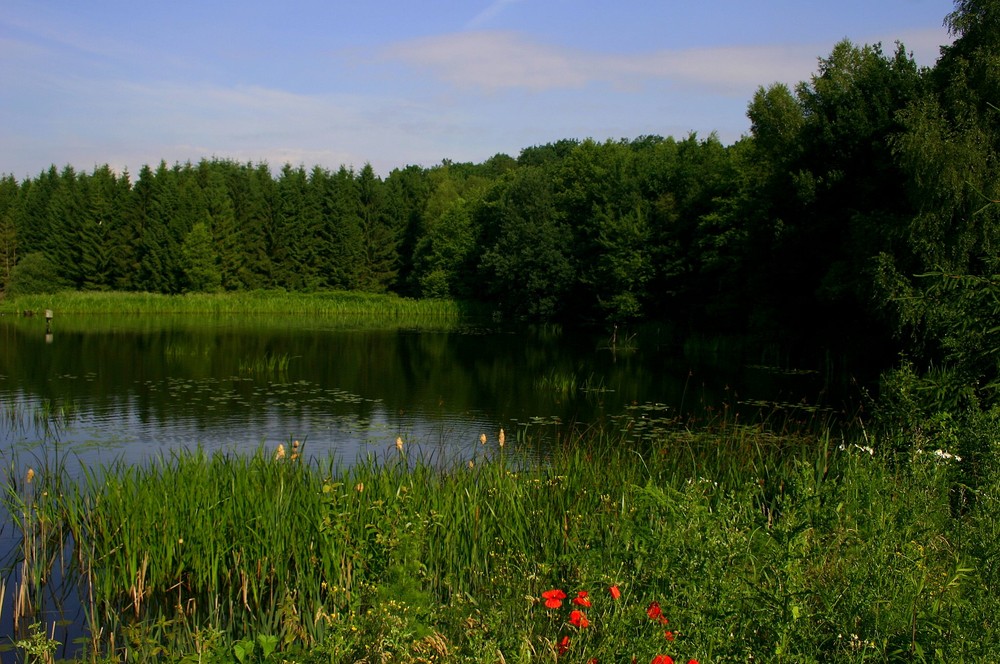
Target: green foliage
(34, 274)
(940, 278)
(526, 259)
(200, 261)
(38, 647)
(9, 214)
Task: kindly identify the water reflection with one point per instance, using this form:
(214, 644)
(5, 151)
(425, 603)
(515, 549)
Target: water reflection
(135, 387)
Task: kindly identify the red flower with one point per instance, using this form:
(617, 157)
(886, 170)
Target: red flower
(615, 592)
(581, 599)
(692, 661)
(662, 659)
(593, 660)
(578, 618)
(564, 646)
(553, 598)
(669, 635)
(656, 613)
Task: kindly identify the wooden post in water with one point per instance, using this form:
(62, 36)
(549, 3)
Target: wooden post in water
(48, 321)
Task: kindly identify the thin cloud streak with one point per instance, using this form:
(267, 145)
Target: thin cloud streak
(488, 14)
(492, 61)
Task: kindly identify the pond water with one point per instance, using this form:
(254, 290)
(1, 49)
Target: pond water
(94, 390)
(104, 388)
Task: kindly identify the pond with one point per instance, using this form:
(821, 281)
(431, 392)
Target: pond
(95, 390)
(103, 388)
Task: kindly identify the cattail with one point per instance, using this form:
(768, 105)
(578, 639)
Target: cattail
(295, 450)
(280, 452)
(482, 439)
(502, 438)
(399, 443)
(30, 475)
(359, 487)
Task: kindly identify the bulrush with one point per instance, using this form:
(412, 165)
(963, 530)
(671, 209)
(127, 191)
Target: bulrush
(399, 443)
(280, 452)
(295, 450)
(502, 438)
(482, 439)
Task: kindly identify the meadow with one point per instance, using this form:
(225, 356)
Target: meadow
(646, 541)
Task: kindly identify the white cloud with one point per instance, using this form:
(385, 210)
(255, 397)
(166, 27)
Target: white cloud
(492, 61)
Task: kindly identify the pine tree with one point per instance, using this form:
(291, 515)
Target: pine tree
(9, 211)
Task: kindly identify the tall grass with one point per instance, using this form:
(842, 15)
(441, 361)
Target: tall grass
(270, 365)
(338, 303)
(779, 548)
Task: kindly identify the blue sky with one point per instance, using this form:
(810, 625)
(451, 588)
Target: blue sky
(393, 83)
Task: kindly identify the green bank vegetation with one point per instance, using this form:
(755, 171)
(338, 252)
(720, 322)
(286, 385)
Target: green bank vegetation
(250, 303)
(763, 546)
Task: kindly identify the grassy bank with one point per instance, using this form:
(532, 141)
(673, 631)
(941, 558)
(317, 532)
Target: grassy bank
(729, 545)
(339, 303)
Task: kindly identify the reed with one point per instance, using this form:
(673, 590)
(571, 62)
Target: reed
(777, 546)
(382, 307)
(269, 365)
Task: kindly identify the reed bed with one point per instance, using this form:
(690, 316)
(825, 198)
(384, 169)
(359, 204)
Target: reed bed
(723, 545)
(270, 365)
(334, 303)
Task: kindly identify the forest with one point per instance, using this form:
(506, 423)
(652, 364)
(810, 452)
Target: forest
(863, 206)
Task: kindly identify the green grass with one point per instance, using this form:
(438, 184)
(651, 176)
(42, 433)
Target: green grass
(339, 303)
(757, 546)
(271, 365)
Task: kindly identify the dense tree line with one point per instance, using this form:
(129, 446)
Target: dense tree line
(863, 200)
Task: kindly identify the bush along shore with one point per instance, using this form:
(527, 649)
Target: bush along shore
(727, 544)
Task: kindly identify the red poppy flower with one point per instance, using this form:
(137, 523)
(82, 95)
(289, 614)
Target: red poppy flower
(615, 592)
(581, 599)
(692, 661)
(578, 618)
(553, 598)
(564, 646)
(656, 613)
(669, 635)
(662, 659)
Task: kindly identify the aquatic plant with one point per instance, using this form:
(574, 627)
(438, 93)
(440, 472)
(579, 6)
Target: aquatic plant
(758, 543)
(268, 366)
